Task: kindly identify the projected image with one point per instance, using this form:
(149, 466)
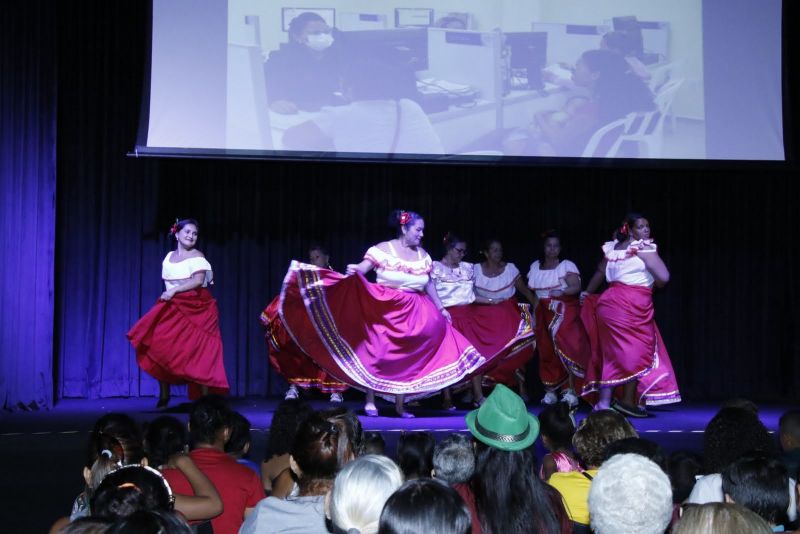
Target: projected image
(562, 78)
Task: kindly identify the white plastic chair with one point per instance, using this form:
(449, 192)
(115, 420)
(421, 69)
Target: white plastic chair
(606, 142)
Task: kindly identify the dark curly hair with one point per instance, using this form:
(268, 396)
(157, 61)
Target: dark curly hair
(287, 418)
(731, 433)
(596, 432)
(164, 437)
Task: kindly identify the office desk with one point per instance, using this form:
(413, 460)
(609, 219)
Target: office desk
(459, 126)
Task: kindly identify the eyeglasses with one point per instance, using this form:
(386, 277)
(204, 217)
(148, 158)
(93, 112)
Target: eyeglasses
(460, 250)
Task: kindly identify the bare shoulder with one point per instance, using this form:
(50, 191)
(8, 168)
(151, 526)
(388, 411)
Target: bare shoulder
(383, 245)
(197, 254)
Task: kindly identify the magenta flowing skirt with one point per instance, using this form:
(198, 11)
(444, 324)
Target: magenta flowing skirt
(287, 358)
(629, 346)
(178, 342)
(502, 333)
(562, 341)
(372, 336)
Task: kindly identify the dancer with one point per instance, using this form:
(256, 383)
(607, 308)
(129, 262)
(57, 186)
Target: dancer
(393, 337)
(563, 345)
(178, 340)
(455, 284)
(286, 358)
(497, 281)
(631, 352)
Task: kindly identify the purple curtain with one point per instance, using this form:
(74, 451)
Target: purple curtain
(27, 204)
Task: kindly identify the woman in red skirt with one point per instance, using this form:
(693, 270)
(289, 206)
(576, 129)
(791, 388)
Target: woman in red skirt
(564, 349)
(631, 355)
(497, 282)
(287, 358)
(178, 340)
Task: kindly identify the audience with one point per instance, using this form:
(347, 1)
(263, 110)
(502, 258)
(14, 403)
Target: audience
(424, 505)
(374, 443)
(557, 429)
(509, 496)
(238, 445)
(315, 461)
(789, 431)
(454, 460)
(758, 482)
(276, 476)
(725, 518)
(643, 447)
(239, 488)
(351, 434)
(360, 491)
(593, 435)
(630, 495)
(415, 454)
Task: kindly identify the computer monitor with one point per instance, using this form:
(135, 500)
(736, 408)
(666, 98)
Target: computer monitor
(630, 25)
(528, 51)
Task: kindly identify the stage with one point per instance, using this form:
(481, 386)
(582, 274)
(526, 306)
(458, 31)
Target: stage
(43, 451)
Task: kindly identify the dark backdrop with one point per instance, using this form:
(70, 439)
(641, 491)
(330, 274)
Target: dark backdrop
(727, 232)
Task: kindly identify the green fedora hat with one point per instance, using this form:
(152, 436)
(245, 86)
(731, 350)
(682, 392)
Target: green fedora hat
(503, 421)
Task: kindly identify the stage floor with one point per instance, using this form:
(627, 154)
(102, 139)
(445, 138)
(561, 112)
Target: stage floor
(43, 451)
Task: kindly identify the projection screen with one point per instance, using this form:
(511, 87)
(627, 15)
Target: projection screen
(457, 80)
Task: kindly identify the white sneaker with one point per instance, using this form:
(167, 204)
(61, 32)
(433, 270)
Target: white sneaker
(336, 397)
(291, 393)
(550, 398)
(570, 398)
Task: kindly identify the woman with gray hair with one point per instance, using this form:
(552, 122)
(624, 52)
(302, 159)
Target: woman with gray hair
(454, 459)
(359, 493)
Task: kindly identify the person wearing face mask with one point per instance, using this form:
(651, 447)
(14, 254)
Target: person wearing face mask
(303, 74)
(631, 355)
(393, 337)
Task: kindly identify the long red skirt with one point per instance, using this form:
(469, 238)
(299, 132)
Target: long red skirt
(629, 346)
(562, 341)
(502, 333)
(178, 342)
(372, 336)
(287, 358)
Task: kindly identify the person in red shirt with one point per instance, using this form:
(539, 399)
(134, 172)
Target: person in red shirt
(238, 486)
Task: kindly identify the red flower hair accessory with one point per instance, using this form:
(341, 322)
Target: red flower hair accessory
(624, 229)
(174, 228)
(405, 217)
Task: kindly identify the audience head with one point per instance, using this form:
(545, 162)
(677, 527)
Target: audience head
(739, 402)
(643, 447)
(238, 444)
(151, 522)
(720, 517)
(425, 505)
(731, 433)
(789, 430)
(87, 525)
(596, 432)
(360, 491)
(684, 468)
(209, 421)
(125, 430)
(454, 459)
(129, 489)
(557, 426)
(106, 455)
(314, 455)
(508, 494)
(285, 422)
(758, 482)
(351, 433)
(164, 437)
(415, 454)
(630, 494)
(374, 443)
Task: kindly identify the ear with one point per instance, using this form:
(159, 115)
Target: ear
(294, 467)
(728, 499)
(87, 475)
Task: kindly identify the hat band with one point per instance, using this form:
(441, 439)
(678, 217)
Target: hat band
(505, 438)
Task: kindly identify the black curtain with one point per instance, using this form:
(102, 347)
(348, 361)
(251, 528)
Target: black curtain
(726, 233)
